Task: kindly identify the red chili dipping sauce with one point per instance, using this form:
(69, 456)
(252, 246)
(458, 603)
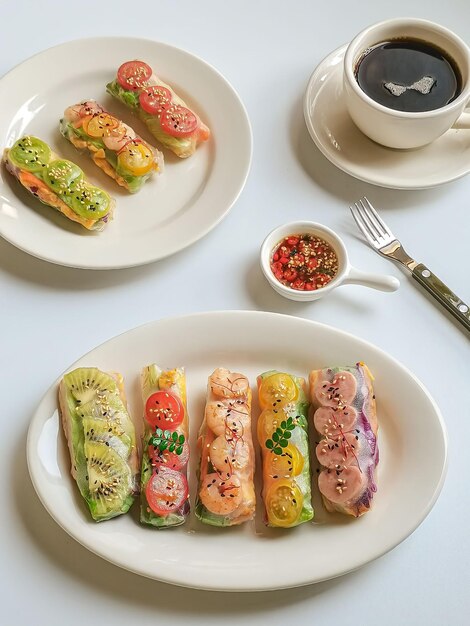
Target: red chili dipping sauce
(304, 262)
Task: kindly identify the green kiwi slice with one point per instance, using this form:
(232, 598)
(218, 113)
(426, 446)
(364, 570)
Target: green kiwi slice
(89, 383)
(109, 481)
(108, 432)
(110, 409)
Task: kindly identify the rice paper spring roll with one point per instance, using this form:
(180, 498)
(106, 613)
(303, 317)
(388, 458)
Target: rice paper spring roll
(165, 448)
(283, 439)
(226, 494)
(101, 440)
(346, 418)
(113, 145)
(165, 113)
(58, 183)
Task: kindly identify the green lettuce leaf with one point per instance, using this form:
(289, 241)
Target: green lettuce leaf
(129, 98)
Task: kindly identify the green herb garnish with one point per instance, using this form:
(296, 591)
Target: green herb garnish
(281, 436)
(164, 439)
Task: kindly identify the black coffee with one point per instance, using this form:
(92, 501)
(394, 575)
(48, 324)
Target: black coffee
(408, 75)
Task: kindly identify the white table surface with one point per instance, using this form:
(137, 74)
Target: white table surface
(267, 50)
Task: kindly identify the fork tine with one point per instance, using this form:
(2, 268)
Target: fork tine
(377, 217)
(362, 225)
(363, 215)
(370, 217)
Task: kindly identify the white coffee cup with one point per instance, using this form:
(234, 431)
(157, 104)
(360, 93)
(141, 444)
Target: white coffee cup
(402, 129)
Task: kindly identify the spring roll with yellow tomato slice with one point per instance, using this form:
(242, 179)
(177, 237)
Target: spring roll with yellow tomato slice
(226, 494)
(283, 439)
(113, 145)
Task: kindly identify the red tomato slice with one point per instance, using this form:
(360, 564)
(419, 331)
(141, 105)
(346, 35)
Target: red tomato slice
(155, 99)
(133, 75)
(178, 121)
(166, 491)
(168, 459)
(164, 410)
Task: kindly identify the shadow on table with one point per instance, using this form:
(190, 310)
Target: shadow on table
(342, 185)
(264, 297)
(29, 269)
(120, 586)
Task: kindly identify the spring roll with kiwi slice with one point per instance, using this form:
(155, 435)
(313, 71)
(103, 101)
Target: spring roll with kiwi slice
(58, 183)
(113, 145)
(101, 440)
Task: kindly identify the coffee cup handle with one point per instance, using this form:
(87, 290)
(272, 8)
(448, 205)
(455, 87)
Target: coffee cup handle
(463, 121)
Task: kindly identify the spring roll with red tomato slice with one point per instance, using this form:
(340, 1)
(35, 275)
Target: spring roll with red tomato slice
(226, 494)
(113, 145)
(167, 116)
(346, 418)
(165, 448)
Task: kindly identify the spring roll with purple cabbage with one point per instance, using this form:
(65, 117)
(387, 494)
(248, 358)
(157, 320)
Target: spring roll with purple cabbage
(346, 418)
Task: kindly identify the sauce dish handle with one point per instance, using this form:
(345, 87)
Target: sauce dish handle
(376, 281)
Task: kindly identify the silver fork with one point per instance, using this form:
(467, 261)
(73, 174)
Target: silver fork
(385, 243)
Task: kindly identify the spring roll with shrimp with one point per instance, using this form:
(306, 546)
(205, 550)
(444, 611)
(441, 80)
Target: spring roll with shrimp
(283, 439)
(346, 418)
(113, 145)
(226, 494)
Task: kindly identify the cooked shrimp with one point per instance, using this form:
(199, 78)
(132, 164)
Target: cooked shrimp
(227, 457)
(216, 413)
(118, 137)
(226, 384)
(227, 415)
(77, 111)
(90, 107)
(72, 114)
(221, 497)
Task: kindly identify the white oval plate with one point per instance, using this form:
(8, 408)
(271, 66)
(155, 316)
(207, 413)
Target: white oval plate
(173, 210)
(339, 139)
(252, 557)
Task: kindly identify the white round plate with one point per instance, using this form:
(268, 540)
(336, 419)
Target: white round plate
(171, 211)
(339, 139)
(251, 557)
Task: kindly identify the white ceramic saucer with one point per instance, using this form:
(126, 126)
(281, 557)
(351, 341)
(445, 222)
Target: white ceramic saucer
(335, 134)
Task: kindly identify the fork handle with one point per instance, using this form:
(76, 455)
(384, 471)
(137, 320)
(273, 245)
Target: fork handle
(442, 294)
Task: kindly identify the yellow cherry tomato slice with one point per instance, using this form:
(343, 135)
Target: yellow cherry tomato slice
(287, 464)
(283, 502)
(100, 125)
(268, 421)
(277, 390)
(136, 158)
